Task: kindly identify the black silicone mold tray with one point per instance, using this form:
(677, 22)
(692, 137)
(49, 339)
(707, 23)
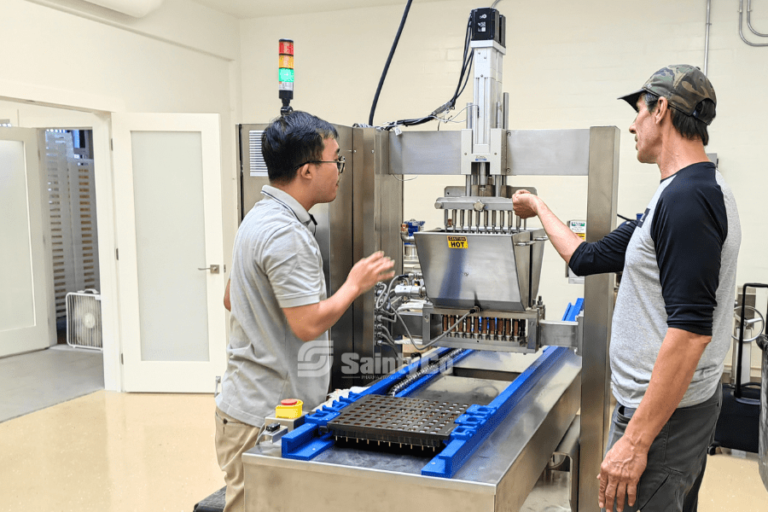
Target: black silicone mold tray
(397, 421)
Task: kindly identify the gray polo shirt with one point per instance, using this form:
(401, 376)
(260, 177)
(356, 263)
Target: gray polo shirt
(276, 264)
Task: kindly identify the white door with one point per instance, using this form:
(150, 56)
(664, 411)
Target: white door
(26, 321)
(169, 240)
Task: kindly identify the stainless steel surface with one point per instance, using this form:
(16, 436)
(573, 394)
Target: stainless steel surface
(463, 390)
(428, 152)
(378, 215)
(289, 423)
(273, 437)
(498, 477)
(505, 125)
(486, 158)
(497, 362)
(537, 258)
(550, 494)
(548, 152)
(560, 334)
(490, 272)
(569, 449)
(213, 268)
(598, 311)
(334, 236)
(462, 202)
(528, 152)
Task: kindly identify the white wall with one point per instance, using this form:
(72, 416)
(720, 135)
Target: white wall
(566, 64)
(179, 59)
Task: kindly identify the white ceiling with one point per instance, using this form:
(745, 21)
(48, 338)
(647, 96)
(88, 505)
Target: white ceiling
(245, 9)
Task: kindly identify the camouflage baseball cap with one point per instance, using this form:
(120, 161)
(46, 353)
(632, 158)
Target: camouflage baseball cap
(683, 85)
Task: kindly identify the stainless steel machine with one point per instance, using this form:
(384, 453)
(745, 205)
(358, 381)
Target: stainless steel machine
(474, 421)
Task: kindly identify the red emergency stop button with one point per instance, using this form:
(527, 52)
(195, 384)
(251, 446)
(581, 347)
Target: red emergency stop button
(289, 402)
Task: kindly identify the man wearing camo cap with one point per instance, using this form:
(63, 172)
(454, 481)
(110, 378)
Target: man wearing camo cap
(671, 326)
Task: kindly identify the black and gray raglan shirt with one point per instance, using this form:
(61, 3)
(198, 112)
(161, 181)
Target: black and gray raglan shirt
(679, 270)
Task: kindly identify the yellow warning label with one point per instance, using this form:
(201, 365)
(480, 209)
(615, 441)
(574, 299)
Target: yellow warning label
(583, 236)
(457, 242)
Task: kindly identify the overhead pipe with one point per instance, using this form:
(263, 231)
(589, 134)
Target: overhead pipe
(749, 20)
(741, 23)
(706, 38)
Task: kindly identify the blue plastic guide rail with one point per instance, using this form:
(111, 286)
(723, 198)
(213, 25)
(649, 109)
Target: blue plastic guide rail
(479, 422)
(573, 310)
(473, 427)
(307, 442)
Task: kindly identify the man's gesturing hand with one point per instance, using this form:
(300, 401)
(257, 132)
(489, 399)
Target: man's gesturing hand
(620, 473)
(524, 204)
(369, 271)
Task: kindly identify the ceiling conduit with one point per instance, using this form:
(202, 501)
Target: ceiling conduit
(741, 23)
(135, 8)
(749, 20)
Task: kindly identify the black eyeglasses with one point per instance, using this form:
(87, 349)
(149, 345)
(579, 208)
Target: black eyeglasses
(339, 163)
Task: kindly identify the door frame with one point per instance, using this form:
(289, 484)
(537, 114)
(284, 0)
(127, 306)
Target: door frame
(99, 110)
(156, 375)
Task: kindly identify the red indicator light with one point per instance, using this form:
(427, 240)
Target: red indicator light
(286, 47)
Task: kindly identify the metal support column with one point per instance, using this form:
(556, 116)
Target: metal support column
(598, 313)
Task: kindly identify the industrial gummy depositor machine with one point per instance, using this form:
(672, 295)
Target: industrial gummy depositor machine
(495, 396)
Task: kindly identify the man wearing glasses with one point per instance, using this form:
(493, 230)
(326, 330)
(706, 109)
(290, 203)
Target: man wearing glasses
(277, 290)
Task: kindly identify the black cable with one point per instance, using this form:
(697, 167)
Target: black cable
(625, 218)
(466, 80)
(389, 61)
(467, 59)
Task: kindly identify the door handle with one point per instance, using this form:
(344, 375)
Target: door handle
(213, 268)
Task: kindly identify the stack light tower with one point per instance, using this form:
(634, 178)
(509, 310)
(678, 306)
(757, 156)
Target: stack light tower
(286, 75)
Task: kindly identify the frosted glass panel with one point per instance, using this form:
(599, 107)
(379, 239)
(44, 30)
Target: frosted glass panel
(17, 308)
(170, 245)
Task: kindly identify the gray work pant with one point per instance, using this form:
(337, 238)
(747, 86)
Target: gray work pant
(677, 458)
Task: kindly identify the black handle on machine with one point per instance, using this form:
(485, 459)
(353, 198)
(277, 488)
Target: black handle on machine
(737, 391)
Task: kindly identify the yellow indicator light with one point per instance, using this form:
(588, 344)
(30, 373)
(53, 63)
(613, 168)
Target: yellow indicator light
(286, 61)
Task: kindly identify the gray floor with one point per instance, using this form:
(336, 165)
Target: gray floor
(34, 381)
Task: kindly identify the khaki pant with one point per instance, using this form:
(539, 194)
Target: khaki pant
(233, 438)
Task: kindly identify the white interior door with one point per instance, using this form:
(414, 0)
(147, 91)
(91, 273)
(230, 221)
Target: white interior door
(168, 219)
(26, 321)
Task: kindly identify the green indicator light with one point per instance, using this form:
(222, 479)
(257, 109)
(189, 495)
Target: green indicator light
(286, 75)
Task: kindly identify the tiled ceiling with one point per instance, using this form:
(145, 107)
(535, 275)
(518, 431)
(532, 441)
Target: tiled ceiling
(245, 9)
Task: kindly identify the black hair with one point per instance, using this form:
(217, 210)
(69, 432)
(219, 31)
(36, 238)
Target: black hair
(688, 126)
(292, 140)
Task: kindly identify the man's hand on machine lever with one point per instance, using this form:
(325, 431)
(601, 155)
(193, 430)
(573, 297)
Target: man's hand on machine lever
(525, 204)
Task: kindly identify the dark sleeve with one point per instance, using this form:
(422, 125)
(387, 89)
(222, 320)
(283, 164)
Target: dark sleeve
(603, 256)
(689, 228)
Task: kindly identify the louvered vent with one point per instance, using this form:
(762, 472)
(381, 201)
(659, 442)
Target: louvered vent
(258, 166)
(72, 207)
(84, 319)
